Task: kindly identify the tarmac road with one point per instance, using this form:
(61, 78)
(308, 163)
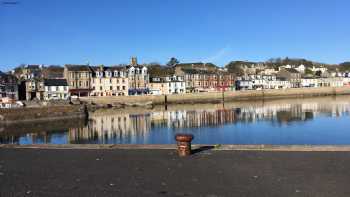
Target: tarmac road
(211, 173)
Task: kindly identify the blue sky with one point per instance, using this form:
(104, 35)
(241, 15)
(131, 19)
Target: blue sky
(111, 31)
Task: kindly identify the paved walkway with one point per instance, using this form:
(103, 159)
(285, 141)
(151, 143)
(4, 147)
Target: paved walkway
(116, 172)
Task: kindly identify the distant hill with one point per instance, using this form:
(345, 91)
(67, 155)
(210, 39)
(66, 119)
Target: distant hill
(345, 66)
(237, 66)
(157, 70)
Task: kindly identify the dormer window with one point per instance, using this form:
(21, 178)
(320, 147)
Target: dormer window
(132, 70)
(144, 70)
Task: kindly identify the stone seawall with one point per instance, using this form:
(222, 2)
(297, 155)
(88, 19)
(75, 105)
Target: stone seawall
(17, 115)
(217, 97)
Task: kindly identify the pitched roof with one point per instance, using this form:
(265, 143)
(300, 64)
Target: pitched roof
(6, 78)
(135, 66)
(291, 70)
(33, 66)
(196, 71)
(190, 64)
(55, 82)
(53, 72)
(115, 68)
(71, 67)
(105, 68)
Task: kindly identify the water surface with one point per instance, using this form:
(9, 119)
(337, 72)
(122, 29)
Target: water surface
(313, 121)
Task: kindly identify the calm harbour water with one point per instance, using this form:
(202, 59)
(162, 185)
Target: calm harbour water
(310, 121)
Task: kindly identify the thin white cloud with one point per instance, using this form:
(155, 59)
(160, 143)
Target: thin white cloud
(219, 55)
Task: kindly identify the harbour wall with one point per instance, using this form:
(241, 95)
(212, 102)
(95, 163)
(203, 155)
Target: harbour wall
(69, 111)
(17, 115)
(215, 97)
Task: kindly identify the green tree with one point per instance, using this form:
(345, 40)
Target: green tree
(318, 73)
(344, 67)
(172, 62)
(235, 67)
(308, 72)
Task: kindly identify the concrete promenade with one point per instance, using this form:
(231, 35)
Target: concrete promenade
(157, 171)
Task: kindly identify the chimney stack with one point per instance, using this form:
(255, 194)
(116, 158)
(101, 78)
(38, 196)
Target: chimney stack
(133, 61)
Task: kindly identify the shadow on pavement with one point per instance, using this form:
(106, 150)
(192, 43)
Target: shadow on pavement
(201, 149)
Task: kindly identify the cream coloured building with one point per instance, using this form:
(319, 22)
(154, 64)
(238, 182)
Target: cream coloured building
(109, 81)
(79, 79)
(138, 78)
(113, 128)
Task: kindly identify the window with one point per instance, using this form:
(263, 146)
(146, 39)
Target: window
(110, 88)
(100, 87)
(123, 87)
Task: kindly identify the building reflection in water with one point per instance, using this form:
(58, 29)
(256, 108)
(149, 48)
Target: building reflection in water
(135, 128)
(125, 128)
(111, 128)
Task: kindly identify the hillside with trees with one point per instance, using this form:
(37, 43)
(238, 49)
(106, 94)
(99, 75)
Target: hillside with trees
(157, 70)
(236, 67)
(343, 67)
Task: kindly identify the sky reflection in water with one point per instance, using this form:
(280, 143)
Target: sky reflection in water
(298, 121)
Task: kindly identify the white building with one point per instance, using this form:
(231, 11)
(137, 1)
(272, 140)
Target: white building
(323, 82)
(332, 82)
(319, 68)
(252, 82)
(300, 68)
(285, 66)
(310, 82)
(56, 89)
(279, 84)
(167, 85)
(346, 81)
(268, 71)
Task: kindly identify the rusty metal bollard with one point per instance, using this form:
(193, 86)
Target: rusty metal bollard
(184, 144)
